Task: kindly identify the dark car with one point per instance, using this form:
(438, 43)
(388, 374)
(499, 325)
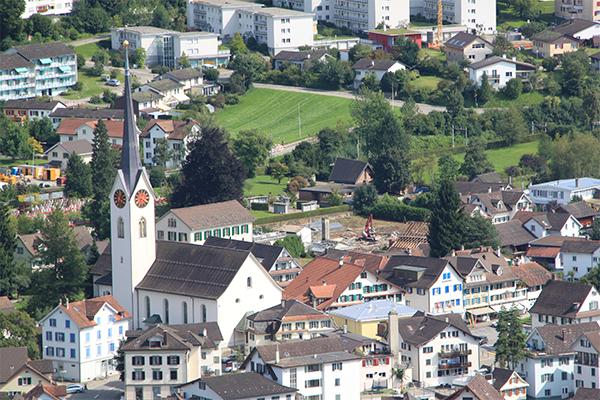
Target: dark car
(483, 341)
(423, 189)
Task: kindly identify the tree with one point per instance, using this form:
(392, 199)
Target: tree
(108, 96)
(485, 91)
(42, 130)
(293, 245)
(12, 276)
(455, 102)
(370, 82)
(139, 57)
(19, 330)
(513, 88)
(161, 18)
(503, 46)
(334, 198)
(525, 8)
(80, 61)
(446, 224)
(368, 109)
(595, 233)
(11, 24)
(211, 74)
(533, 28)
(551, 87)
(40, 23)
(279, 171)
(252, 147)
(575, 66)
(210, 173)
(480, 232)
(295, 184)
(94, 254)
(511, 126)
(237, 45)
(358, 52)
(391, 167)
(247, 67)
(592, 277)
(476, 160)
(511, 338)
(448, 167)
(549, 63)
(14, 140)
(364, 197)
(66, 272)
(79, 177)
(162, 152)
(184, 61)
(336, 74)
(512, 171)
(406, 51)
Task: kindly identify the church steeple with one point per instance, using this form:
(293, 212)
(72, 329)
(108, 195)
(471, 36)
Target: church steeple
(131, 164)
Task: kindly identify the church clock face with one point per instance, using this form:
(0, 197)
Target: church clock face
(142, 198)
(119, 198)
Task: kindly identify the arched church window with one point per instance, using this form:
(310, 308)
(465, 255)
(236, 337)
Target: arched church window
(203, 312)
(120, 228)
(249, 281)
(166, 311)
(147, 307)
(185, 313)
(143, 232)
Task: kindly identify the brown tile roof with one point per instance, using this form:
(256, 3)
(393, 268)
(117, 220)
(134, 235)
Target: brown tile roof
(490, 177)
(433, 270)
(245, 386)
(561, 299)
(175, 130)
(44, 50)
(580, 246)
(559, 338)
(210, 215)
(482, 389)
(300, 55)
(83, 236)
(552, 240)
(83, 312)
(31, 104)
(6, 304)
(513, 233)
(300, 348)
(578, 210)
(421, 329)
(183, 336)
(371, 262)
(509, 198)
(69, 125)
(323, 292)
(55, 392)
(587, 394)
(543, 252)
(268, 321)
(11, 359)
(42, 366)
(184, 74)
(532, 273)
(88, 113)
(465, 188)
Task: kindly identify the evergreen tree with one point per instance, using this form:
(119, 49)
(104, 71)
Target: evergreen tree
(12, 276)
(210, 172)
(391, 167)
(448, 167)
(161, 18)
(480, 232)
(485, 92)
(511, 338)
(94, 254)
(455, 102)
(476, 161)
(446, 224)
(511, 126)
(119, 360)
(184, 61)
(14, 140)
(79, 177)
(18, 330)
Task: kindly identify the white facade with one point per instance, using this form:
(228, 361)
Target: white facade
(83, 353)
(478, 16)
(86, 131)
(498, 74)
(589, 304)
(579, 263)
(562, 191)
(217, 16)
(179, 146)
(569, 229)
(47, 7)
(362, 72)
(585, 370)
(444, 296)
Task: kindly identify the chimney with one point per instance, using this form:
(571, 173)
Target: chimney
(453, 253)
(341, 262)
(514, 59)
(576, 182)
(498, 252)
(345, 328)
(510, 180)
(564, 335)
(325, 228)
(503, 55)
(393, 335)
(282, 303)
(204, 332)
(410, 252)
(446, 319)
(67, 303)
(489, 189)
(165, 343)
(324, 283)
(372, 63)
(277, 354)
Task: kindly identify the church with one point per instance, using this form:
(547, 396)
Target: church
(178, 282)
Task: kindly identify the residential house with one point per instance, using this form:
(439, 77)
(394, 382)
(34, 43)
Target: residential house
(438, 348)
(363, 319)
(544, 224)
(586, 394)
(159, 359)
(6, 306)
(47, 392)
(58, 155)
(352, 172)
(489, 177)
(364, 67)
(248, 386)
(581, 211)
(534, 277)
(587, 349)
(318, 367)
(289, 320)
(328, 284)
(385, 38)
(550, 360)
(218, 16)
(550, 43)
(300, 59)
(20, 375)
(177, 133)
(579, 256)
(477, 388)
(466, 188)
(432, 284)
(546, 250)
(17, 78)
(188, 77)
(304, 233)
(500, 70)
(581, 29)
(499, 206)
(78, 129)
(582, 10)
(82, 338)
(194, 225)
(466, 46)
(276, 260)
(20, 110)
(201, 48)
(320, 192)
(564, 190)
(372, 262)
(565, 303)
(510, 384)
(85, 113)
(55, 67)
(172, 91)
(47, 7)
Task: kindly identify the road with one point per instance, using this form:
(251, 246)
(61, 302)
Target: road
(108, 389)
(89, 40)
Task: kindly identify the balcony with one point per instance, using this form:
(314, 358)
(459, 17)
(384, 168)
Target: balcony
(260, 22)
(586, 359)
(200, 12)
(350, 19)
(19, 76)
(466, 364)
(455, 353)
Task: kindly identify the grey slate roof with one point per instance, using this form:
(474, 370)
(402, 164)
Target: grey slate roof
(165, 84)
(580, 246)
(490, 177)
(587, 394)
(418, 331)
(374, 65)
(578, 210)
(43, 366)
(573, 26)
(88, 113)
(552, 335)
(244, 386)
(192, 270)
(146, 95)
(348, 171)
(183, 336)
(14, 357)
(31, 104)
(265, 253)
(493, 60)
(43, 50)
(434, 267)
(513, 233)
(465, 188)
(81, 146)
(501, 376)
(299, 55)
(183, 74)
(215, 214)
(269, 321)
(561, 299)
(551, 36)
(14, 60)
(463, 40)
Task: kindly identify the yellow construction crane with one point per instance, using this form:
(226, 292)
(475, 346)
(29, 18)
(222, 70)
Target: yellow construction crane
(439, 37)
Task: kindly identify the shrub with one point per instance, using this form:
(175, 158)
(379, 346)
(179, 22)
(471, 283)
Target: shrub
(114, 73)
(512, 170)
(78, 86)
(513, 88)
(232, 99)
(108, 96)
(211, 74)
(259, 206)
(398, 212)
(96, 99)
(549, 64)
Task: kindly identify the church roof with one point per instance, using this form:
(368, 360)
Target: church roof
(192, 270)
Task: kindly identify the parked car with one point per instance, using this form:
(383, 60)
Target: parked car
(113, 82)
(75, 388)
(423, 189)
(105, 77)
(494, 324)
(483, 341)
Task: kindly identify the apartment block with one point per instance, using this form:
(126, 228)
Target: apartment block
(47, 7)
(476, 15)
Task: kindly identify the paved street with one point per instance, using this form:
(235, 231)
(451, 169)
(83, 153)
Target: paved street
(108, 389)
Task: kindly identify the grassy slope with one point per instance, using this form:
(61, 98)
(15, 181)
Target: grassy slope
(262, 185)
(502, 158)
(275, 112)
(88, 50)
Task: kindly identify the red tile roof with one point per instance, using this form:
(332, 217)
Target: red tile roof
(532, 273)
(173, 129)
(55, 392)
(83, 312)
(69, 125)
(542, 251)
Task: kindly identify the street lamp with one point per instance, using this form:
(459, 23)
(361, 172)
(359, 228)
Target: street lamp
(300, 122)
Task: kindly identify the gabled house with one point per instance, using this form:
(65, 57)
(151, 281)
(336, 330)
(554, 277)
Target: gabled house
(534, 277)
(82, 338)
(47, 392)
(248, 386)
(147, 102)
(228, 219)
(319, 367)
(352, 172)
(372, 262)
(544, 224)
(500, 70)
(84, 113)
(565, 303)
(58, 155)
(466, 46)
(577, 28)
(489, 177)
(177, 133)
(438, 348)
(365, 67)
(546, 250)
(300, 58)
(286, 321)
(188, 77)
(327, 284)
(466, 188)
(499, 206)
(580, 210)
(587, 350)
(18, 375)
(477, 388)
(165, 357)
(579, 256)
(276, 260)
(6, 306)
(509, 384)
(431, 284)
(550, 43)
(513, 236)
(586, 394)
(77, 129)
(20, 110)
(172, 91)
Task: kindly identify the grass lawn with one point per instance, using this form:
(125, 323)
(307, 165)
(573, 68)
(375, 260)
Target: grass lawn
(275, 112)
(525, 99)
(91, 84)
(429, 82)
(502, 158)
(262, 185)
(433, 53)
(223, 47)
(261, 214)
(88, 50)
(8, 162)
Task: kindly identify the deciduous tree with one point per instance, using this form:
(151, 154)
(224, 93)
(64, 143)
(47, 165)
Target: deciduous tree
(11, 23)
(448, 167)
(511, 338)
(252, 147)
(237, 45)
(364, 197)
(293, 245)
(391, 167)
(19, 330)
(12, 276)
(279, 171)
(485, 91)
(476, 160)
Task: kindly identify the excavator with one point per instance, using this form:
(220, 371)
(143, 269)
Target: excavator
(369, 231)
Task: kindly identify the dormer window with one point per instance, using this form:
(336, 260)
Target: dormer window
(154, 344)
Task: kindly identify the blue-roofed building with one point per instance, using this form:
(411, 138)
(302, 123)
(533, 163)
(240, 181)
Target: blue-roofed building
(563, 190)
(363, 318)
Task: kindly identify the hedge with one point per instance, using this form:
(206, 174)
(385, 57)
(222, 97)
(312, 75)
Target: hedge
(398, 212)
(260, 206)
(298, 215)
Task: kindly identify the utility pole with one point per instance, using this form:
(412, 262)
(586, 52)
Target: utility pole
(357, 148)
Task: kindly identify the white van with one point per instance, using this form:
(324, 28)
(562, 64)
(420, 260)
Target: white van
(105, 77)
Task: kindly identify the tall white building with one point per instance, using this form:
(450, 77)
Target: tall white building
(478, 15)
(48, 7)
(217, 16)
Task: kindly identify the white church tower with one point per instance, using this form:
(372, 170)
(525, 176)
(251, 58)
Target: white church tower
(133, 243)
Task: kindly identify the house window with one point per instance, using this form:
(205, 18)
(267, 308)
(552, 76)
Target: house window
(173, 375)
(203, 312)
(157, 375)
(137, 360)
(172, 223)
(249, 282)
(166, 309)
(155, 360)
(138, 375)
(52, 322)
(185, 312)
(161, 235)
(173, 360)
(147, 307)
